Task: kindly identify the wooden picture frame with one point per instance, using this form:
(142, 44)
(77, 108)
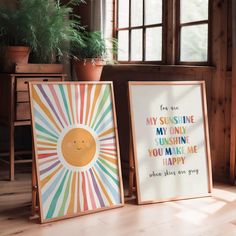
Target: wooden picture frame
(76, 148)
(170, 140)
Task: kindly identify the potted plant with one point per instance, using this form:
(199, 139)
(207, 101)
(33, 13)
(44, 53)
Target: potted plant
(90, 55)
(56, 26)
(45, 26)
(16, 37)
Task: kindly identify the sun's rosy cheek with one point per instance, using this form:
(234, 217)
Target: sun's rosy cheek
(68, 145)
(87, 145)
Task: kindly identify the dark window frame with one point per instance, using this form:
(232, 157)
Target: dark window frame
(178, 36)
(143, 27)
(171, 29)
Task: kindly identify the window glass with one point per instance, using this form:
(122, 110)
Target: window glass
(123, 13)
(145, 24)
(154, 44)
(193, 10)
(136, 45)
(194, 43)
(153, 12)
(123, 45)
(136, 12)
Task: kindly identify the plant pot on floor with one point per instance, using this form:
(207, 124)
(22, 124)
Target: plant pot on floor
(15, 55)
(88, 70)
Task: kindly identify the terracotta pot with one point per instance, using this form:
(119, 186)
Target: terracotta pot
(88, 70)
(15, 55)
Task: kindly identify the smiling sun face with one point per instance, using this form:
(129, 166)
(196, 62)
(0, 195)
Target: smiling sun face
(78, 147)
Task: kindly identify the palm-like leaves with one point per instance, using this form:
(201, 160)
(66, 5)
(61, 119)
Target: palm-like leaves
(46, 26)
(93, 46)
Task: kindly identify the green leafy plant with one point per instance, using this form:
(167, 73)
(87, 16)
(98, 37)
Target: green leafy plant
(47, 26)
(15, 28)
(55, 28)
(93, 46)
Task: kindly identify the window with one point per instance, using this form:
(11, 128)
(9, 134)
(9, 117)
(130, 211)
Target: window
(139, 30)
(193, 30)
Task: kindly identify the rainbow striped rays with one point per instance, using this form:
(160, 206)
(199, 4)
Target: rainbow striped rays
(75, 143)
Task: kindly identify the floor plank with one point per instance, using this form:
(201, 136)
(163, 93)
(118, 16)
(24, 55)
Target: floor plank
(215, 216)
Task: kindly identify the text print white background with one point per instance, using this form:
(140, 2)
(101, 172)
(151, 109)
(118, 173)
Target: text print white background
(170, 151)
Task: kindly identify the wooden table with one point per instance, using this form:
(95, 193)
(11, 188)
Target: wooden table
(15, 107)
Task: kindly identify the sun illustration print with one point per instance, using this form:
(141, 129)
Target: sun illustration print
(76, 148)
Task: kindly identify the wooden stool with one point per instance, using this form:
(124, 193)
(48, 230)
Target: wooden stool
(15, 107)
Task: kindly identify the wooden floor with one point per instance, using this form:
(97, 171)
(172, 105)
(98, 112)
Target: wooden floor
(215, 216)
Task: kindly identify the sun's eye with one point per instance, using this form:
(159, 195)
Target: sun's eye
(74, 142)
(82, 141)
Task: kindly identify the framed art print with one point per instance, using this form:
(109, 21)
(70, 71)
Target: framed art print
(170, 140)
(76, 148)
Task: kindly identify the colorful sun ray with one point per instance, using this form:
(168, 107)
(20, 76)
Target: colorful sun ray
(76, 148)
(58, 104)
(101, 125)
(85, 205)
(69, 92)
(46, 143)
(82, 95)
(85, 108)
(41, 104)
(53, 204)
(46, 155)
(55, 111)
(65, 103)
(46, 192)
(92, 197)
(100, 107)
(50, 105)
(46, 138)
(43, 122)
(104, 190)
(48, 161)
(73, 106)
(108, 173)
(110, 188)
(57, 97)
(76, 103)
(97, 190)
(79, 199)
(51, 167)
(71, 207)
(95, 99)
(65, 197)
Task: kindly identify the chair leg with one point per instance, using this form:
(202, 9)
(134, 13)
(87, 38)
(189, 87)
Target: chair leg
(12, 153)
